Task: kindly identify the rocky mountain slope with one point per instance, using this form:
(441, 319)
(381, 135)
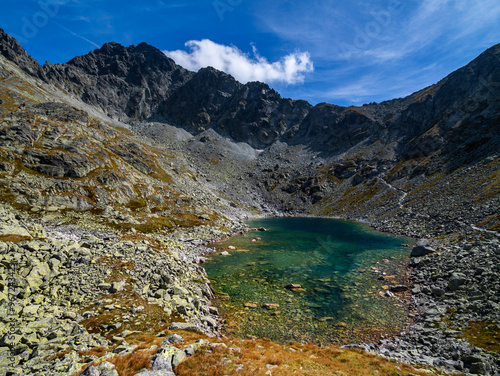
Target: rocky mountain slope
(121, 161)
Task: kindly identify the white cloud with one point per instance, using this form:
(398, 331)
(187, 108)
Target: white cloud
(290, 69)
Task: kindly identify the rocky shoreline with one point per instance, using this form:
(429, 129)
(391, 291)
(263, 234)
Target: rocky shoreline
(454, 282)
(453, 286)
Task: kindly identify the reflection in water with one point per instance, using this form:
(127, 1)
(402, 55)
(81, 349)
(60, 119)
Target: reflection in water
(336, 269)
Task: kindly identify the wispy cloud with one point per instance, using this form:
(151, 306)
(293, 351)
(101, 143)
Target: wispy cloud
(76, 35)
(379, 86)
(290, 69)
(372, 51)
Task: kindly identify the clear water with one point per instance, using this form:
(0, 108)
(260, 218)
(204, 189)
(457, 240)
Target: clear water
(338, 265)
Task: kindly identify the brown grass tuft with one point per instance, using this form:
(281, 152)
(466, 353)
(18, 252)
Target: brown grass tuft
(95, 351)
(130, 364)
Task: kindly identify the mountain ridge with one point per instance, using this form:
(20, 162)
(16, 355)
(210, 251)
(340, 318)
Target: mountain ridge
(251, 113)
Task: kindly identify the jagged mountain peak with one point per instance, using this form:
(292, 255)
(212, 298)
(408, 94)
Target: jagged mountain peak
(114, 58)
(127, 83)
(140, 82)
(12, 50)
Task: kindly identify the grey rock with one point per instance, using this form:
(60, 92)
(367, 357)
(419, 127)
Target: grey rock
(421, 250)
(156, 373)
(163, 358)
(456, 280)
(117, 286)
(91, 371)
(480, 368)
(399, 288)
(178, 358)
(172, 340)
(107, 369)
(183, 326)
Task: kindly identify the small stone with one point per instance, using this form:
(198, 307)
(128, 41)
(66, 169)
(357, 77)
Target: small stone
(178, 358)
(183, 326)
(107, 369)
(271, 306)
(399, 288)
(90, 371)
(172, 340)
(117, 286)
(163, 359)
(213, 310)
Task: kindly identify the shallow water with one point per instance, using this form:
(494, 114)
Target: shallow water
(337, 263)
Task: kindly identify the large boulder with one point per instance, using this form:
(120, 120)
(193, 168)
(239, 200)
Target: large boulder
(421, 250)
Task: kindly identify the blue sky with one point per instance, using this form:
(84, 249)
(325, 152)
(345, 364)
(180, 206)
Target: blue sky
(341, 52)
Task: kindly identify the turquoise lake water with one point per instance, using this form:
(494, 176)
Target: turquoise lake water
(338, 265)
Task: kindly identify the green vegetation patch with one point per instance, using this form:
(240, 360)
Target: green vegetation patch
(484, 334)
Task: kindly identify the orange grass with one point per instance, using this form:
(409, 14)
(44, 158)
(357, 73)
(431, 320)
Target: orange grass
(260, 356)
(130, 364)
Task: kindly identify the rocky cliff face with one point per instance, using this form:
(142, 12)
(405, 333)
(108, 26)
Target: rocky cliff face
(129, 84)
(13, 51)
(251, 113)
(138, 83)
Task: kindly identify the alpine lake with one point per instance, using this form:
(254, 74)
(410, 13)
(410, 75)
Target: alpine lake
(315, 280)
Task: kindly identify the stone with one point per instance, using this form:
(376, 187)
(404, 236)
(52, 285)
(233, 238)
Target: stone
(117, 286)
(145, 372)
(480, 368)
(456, 280)
(210, 321)
(213, 310)
(172, 340)
(178, 358)
(6, 229)
(437, 291)
(399, 288)
(104, 286)
(421, 250)
(107, 369)
(270, 306)
(163, 358)
(191, 349)
(183, 326)
(91, 371)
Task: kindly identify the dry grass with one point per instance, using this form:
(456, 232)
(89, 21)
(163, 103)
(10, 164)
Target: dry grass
(116, 264)
(130, 364)
(14, 238)
(245, 357)
(59, 355)
(95, 351)
(260, 356)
